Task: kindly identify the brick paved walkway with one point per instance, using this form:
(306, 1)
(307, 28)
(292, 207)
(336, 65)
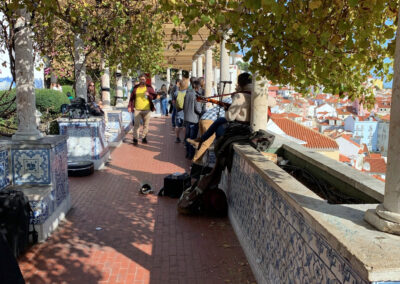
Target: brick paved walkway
(143, 239)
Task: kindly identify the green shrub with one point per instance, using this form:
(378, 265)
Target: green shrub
(68, 89)
(6, 99)
(46, 100)
(50, 101)
(54, 129)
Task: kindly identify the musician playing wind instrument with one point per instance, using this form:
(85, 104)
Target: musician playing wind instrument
(238, 111)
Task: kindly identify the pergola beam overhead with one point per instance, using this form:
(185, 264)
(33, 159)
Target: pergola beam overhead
(182, 59)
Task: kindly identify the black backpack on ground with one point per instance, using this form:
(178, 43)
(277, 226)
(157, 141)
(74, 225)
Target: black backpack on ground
(78, 109)
(175, 184)
(15, 213)
(9, 269)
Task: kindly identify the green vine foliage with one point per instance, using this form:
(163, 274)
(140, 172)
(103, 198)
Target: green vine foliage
(335, 44)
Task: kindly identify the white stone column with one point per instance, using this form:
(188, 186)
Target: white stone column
(80, 68)
(194, 68)
(119, 94)
(386, 217)
(209, 72)
(216, 72)
(200, 66)
(24, 76)
(168, 78)
(180, 74)
(224, 67)
(153, 82)
(128, 86)
(259, 104)
(105, 85)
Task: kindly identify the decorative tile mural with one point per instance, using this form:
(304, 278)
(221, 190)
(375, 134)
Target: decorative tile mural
(114, 121)
(86, 140)
(31, 166)
(286, 248)
(60, 171)
(4, 169)
(42, 209)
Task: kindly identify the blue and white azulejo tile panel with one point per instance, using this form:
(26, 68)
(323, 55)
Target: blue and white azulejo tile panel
(114, 121)
(60, 170)
(31, 166)
(42, 209)
(4, 169)
(285, 248)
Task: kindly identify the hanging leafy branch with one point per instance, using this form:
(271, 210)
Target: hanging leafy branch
(330, 43)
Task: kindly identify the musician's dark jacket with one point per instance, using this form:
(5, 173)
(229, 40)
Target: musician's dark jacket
(192, 109)
(152, 96)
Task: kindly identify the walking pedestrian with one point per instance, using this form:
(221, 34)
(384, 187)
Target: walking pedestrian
(192, 110)
(172, 92)
(141, 103)
(179, 98)
(163, 99)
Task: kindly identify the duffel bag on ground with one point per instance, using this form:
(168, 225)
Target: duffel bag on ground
(175, 184)
(15, 213)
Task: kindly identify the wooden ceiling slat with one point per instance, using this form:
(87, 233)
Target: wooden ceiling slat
(182, 59)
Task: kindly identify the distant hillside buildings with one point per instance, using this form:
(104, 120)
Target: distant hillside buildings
(336, 127)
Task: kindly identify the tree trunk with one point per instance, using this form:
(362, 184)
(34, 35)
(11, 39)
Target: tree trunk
(24, 72)
(80, 68)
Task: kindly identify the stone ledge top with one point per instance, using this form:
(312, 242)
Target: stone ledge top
(80, 120)
(34, 193)
(49, 141)
(369, 185)
(374, 254)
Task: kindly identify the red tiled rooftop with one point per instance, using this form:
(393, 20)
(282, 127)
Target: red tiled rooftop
(313, 138)
(332, 118)
(321, 97)
(376, 165)
(378, 177)
(375, 156)
(293, 115)
(344, 159)
(348, 138)
(341, 111)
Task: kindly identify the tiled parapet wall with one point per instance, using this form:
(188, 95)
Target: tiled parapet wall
(59, 158)
(126, 119)
(290, 235)
(43, 207)
(39, 169)
(31, 166)
(86, 138)
(5, 177)
(114, 128)
(114, 120)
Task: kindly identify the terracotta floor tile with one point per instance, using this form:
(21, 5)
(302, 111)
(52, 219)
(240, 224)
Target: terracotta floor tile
(143, 239)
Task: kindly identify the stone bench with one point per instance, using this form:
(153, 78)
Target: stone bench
(47, 211)
(39, 169)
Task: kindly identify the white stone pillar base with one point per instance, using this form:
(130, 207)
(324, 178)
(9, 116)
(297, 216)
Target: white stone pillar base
(372, 217)
(33, 134)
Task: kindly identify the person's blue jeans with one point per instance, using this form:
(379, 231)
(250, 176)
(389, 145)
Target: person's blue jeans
(164, 109)
(191, 132)
(218, 127)
(157, 105)
(173, 116)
